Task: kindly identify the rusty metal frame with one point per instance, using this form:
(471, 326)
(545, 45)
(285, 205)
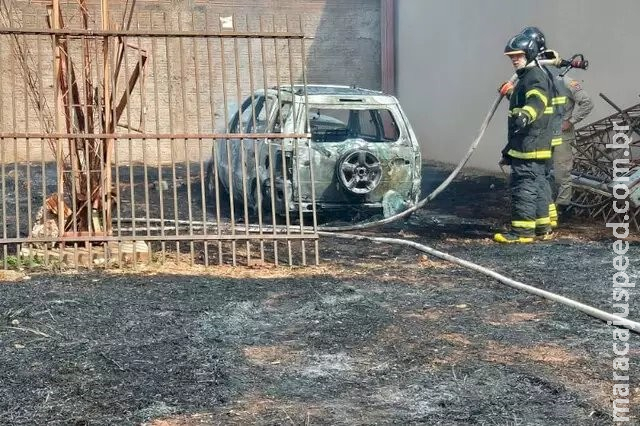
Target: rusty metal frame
(147, 223)
(593, 159)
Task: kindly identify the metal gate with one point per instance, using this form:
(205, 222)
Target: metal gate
(122, 137)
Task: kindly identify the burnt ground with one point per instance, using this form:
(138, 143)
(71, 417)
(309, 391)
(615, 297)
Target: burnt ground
(375, 335)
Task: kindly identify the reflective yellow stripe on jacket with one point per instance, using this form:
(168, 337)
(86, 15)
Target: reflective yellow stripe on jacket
(532, 112)
(544, 154)
(559, 100)
(556, 141)
(536, 92)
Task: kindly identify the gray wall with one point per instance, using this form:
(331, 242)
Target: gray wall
(450, 62)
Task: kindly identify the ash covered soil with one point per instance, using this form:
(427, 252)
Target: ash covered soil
(376, 334)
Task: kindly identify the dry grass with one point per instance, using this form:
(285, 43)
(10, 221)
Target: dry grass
(248, 410)
(546, 354)
(11, 275)
(514, 318)
(228, 271)
(428, 263)
(431, 314)
(455, 338)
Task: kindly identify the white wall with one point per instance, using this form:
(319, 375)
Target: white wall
(450, 62)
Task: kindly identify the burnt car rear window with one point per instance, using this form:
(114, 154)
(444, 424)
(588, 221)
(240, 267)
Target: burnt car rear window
(338, 125)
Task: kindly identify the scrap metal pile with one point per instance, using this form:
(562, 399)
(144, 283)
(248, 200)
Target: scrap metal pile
(607, 153)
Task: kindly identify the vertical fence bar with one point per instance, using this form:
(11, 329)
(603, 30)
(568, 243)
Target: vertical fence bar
(203, 202)
(88, 109)
(132, 184)
(272, 162)
(296, 148)
(160, 182)
(183, 81)
(256, 143)
(230, 185)
(104, 197)
(214, 149)
(172, 142)
(145, 142)
(241, 129)
(16, 175)
(303, 53)
(282, 148)
(109, 144)
(28, 156)
(3, 161)
(45, 212)
(116, 154)
(58, 107)
(72, 147)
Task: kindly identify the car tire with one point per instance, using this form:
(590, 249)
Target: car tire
(359, 171)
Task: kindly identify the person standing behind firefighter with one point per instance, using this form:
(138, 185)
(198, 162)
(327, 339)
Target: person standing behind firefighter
(571, 105)
(578, 106)
(528, 144)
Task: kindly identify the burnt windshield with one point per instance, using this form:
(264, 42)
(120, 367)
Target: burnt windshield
(339, 124)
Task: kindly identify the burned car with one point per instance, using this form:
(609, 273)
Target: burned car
(361, 153)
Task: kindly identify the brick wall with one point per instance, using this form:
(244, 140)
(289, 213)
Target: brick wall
(188, 81)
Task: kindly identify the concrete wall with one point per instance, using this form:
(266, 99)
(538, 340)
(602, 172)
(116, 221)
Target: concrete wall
(450, 62)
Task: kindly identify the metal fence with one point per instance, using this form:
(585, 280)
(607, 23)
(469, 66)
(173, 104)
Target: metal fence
(167, 141)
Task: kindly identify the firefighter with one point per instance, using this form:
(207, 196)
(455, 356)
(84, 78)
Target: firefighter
(571, 105)
(528, 144)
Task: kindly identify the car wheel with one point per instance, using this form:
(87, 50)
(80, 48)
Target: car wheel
(359, 171)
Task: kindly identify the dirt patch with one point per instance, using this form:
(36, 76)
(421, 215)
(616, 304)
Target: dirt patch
(515, 318)
(270, 355)
(546, 354)
(456, 339)
(431, 263)
(430, 314)
(248, 410)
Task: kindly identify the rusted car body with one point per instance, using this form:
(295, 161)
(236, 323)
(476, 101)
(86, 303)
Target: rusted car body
(361, 150)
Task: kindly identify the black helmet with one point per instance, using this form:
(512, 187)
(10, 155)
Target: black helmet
(536, 35)
(522, 44)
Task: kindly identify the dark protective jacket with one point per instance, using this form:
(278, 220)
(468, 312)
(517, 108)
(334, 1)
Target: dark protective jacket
(560, 97)
(533, 93)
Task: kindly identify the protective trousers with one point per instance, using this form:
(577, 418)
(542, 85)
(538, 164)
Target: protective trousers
(530, 197)
(562, 165)
(550, 188)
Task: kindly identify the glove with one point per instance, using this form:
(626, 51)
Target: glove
(521, 119)
(506, 88)
(504, 161)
